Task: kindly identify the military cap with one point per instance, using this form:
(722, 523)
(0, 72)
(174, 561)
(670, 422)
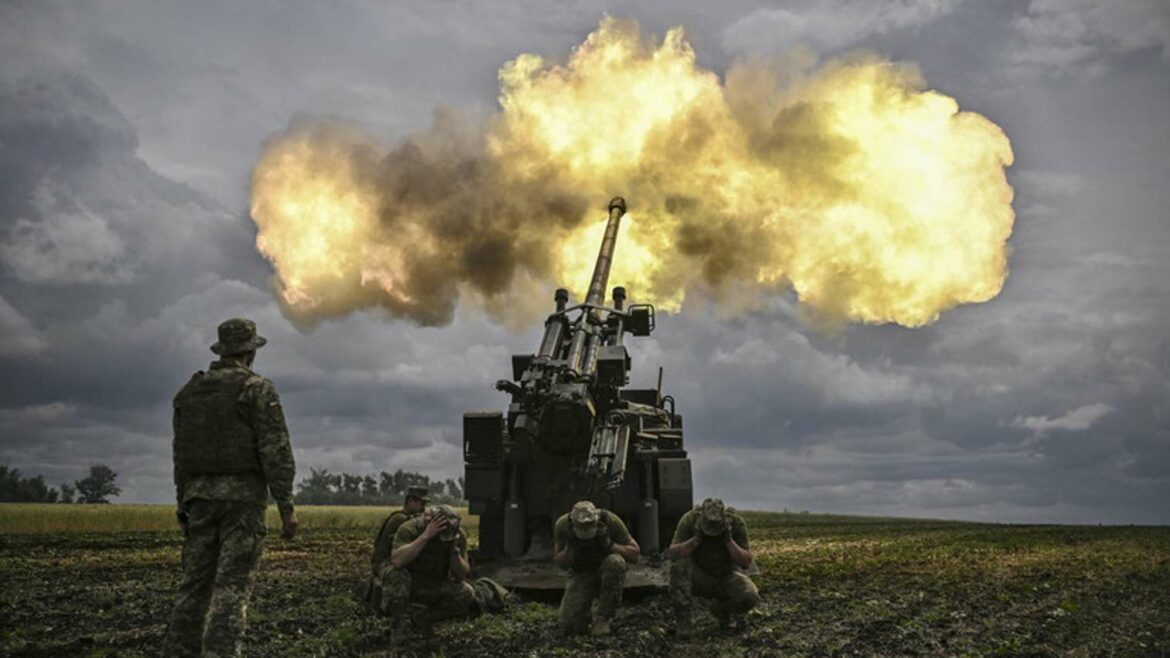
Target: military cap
(420, 493)
(237, 336)
(712, 517)
(447, 512)
(585, 517)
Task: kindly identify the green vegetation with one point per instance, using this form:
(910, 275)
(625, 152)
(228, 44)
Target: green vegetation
(24, 519)
(320, 487)
(97, 487)
(831, 586)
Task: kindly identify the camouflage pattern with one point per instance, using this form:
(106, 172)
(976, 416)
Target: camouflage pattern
(211, 437)
(223, 513)
(442, 599)
(731, 594)
(709, 572)
(426, 580)
(238, 336)
(433, 563)
(224, 542)
(370, 591)
(259, 406)
(711, 554)
(604, 583)
(384, 543)
(595, 572)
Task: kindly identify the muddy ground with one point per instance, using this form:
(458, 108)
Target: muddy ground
(831, 586)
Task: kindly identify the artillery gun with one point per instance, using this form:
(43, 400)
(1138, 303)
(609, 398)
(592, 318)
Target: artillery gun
(574, 432)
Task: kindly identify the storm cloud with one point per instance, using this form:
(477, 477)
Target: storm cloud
(127, 133)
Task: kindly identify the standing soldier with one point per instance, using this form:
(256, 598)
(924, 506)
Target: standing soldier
(231, 450)
(594, 545)
(430, 568)
(710, 553)
(414, 505)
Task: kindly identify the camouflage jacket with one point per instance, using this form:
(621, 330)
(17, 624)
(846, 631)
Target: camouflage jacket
(259, 406)
(711, 554)
(433, 562)
(384, 543)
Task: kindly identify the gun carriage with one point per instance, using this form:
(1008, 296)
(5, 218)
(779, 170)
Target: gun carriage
(573, 431)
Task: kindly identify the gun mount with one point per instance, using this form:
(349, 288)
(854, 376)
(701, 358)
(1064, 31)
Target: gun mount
(574, 432)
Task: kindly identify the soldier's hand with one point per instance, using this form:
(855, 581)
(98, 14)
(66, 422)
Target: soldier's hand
(289, 524)
(434, 527)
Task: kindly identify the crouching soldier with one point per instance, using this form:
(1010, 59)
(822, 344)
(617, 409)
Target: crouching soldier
(429, 567)
(594, 545)
(709, 554)
(370, 591)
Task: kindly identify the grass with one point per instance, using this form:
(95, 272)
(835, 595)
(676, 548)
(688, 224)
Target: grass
(831, 586)
(42, 519)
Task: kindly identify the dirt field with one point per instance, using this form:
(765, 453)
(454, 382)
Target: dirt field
(831, 586)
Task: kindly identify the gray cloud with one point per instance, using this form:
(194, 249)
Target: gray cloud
(828, 26)
(112, 119)
(1081, 36)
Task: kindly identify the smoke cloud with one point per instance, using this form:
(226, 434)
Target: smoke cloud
(874, 199)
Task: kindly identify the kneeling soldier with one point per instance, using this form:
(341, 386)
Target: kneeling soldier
(414, 505)
(709, 553)
(595, 546)
(430, 568)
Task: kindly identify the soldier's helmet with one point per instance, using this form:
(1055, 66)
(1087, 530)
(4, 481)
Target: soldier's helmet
(712, 517)
(447, 512)
(418, 493)
(585, 519)
(238, 336)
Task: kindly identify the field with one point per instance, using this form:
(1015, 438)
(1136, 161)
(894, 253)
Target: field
(99, 581)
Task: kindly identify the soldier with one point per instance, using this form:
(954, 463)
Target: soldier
(709, 554)
(429, 567)
(369, 591)
(414, 505)
(231, 450)
(594, 545)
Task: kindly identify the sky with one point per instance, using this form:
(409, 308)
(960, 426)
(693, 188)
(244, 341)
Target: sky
(128, 131)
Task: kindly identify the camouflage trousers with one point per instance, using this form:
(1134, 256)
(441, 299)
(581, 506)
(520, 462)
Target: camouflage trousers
(443, 599)
(731, 594)
(224, 542)
(604, 583)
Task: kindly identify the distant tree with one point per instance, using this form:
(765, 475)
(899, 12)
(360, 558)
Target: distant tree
(321, 487)
(16, 489)
(369, 488)
(454, 491)
(315, 489)
(99, 486)
(66, 493)
(351, 484)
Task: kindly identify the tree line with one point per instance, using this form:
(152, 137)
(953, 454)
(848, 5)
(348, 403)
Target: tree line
(98, 487)
(321, 487)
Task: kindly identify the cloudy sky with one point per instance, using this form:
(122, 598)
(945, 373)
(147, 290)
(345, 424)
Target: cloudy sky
(128, 130)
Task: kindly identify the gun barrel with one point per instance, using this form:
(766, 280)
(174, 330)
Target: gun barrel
(617, 208)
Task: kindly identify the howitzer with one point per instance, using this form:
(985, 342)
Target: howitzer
(574, 432)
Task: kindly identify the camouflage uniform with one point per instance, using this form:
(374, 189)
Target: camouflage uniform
(370, 591)
(384, 543)
(595, 572)
(427, 579)
(224, 504)
(709, 572)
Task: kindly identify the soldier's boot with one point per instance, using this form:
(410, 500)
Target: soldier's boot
(601, 627)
